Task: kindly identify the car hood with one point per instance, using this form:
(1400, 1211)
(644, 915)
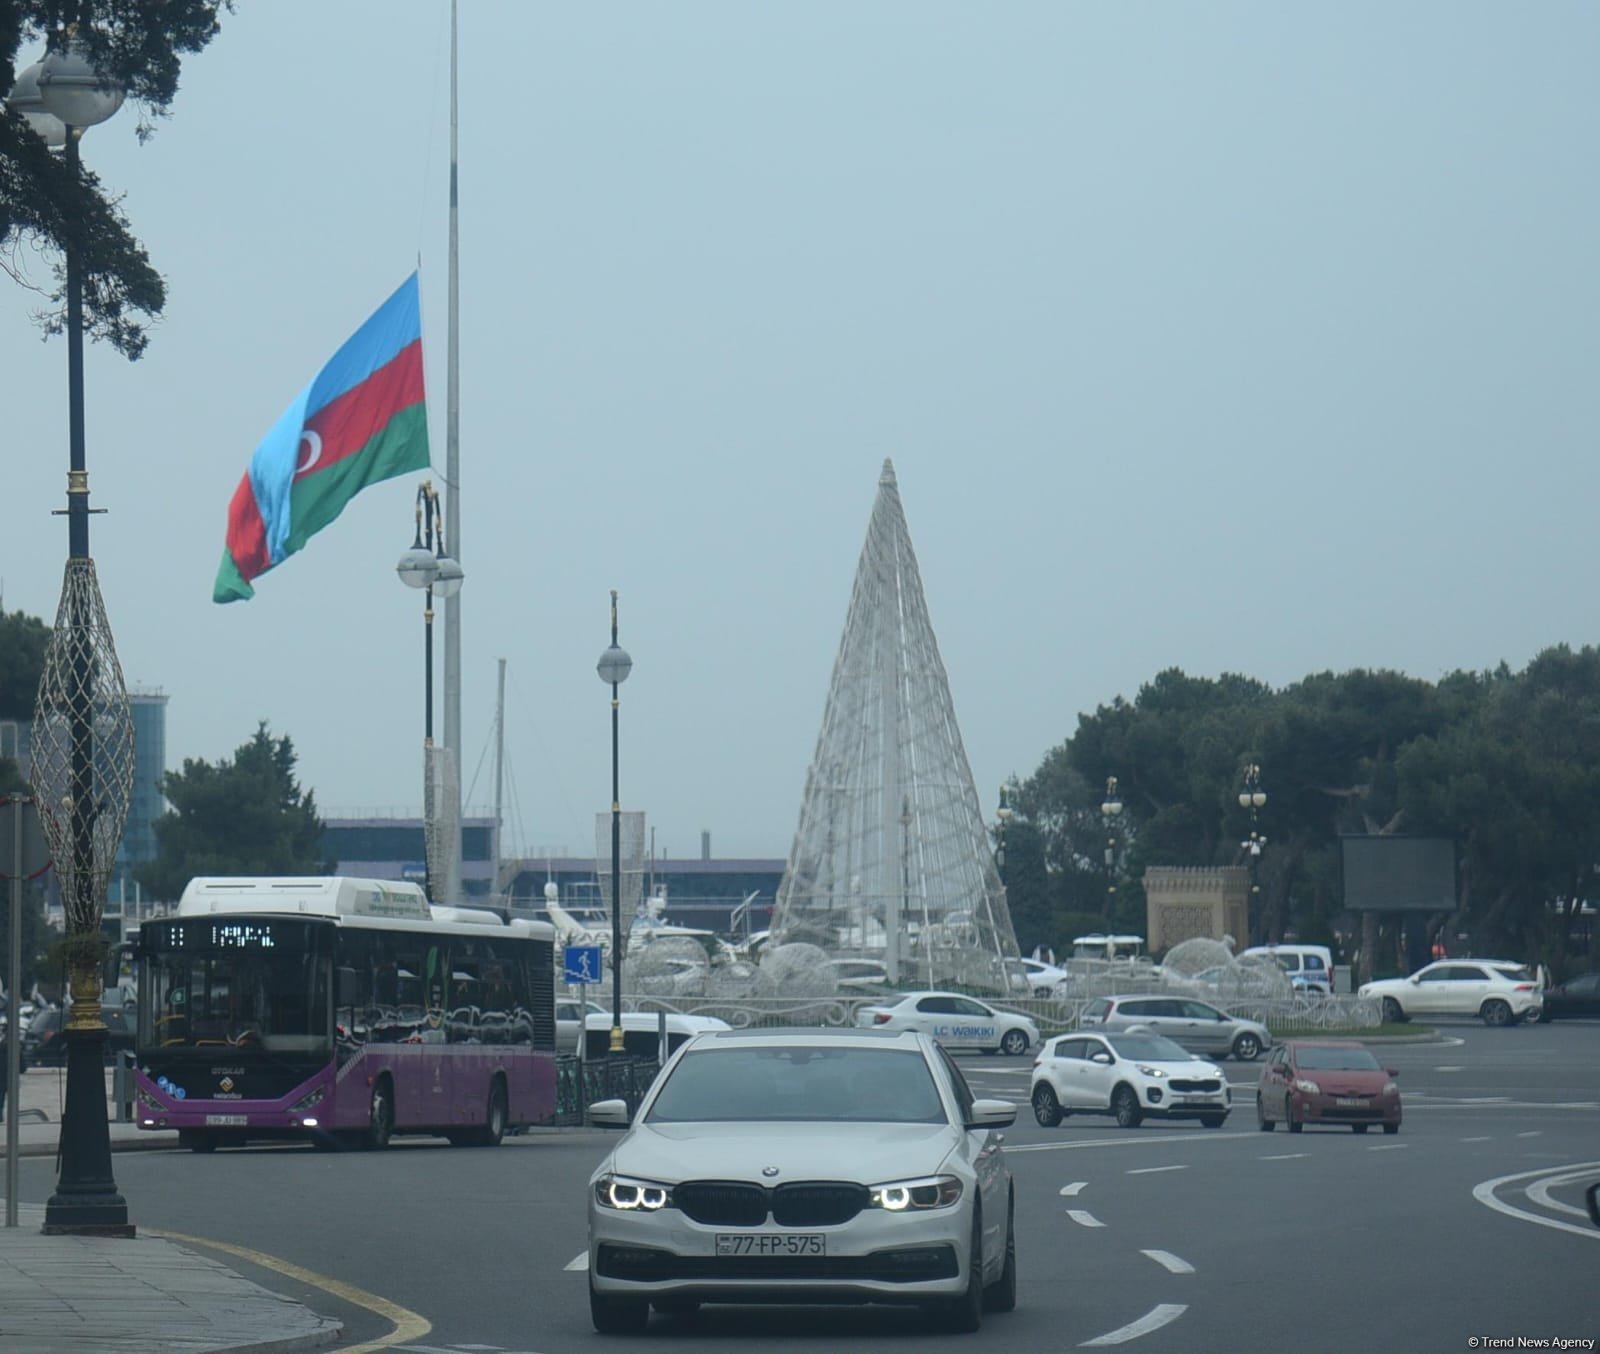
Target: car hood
(1334, 1081)
(868, 1153)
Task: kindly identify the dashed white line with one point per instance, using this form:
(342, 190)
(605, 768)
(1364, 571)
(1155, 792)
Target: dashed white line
(1153, 1320)
(1067, 1191)
(1286, 1156)
(579, 1261)
(1139, 1141)
(1390, 1147)
(1084, 1219)
(1170, 1261)
(1152, 1170)
(1532, 1133)
(1483, 1139)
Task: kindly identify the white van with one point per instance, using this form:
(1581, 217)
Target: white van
(1310, 967)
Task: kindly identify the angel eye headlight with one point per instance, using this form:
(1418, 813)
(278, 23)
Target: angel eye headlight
(628, 1195)
(901, 1196)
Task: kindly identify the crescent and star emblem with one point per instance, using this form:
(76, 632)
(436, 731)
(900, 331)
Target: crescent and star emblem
(313, 444)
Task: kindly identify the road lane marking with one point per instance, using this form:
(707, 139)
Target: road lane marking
(1170, 1261)
(1152, 1170)
(1534, 1133)
(1153, 1320)
(1140, 1141)
(1389, 1147)
(1483, 1139)
(408, 1325)
(1484, 1194)
(1450, 1069)
(1084, 1219)
(1540, 1193)
(1286, 1156)
(579, 1261)
(1068, 1191)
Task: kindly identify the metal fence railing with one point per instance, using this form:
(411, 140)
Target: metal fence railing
(580, 1083)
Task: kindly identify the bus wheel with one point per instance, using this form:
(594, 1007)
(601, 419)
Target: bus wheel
(197, 1140)
(495, 1129)
(380, 1122)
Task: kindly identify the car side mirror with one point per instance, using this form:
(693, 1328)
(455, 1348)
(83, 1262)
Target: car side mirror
(1592, 1198)
(1392, 1071)
(610, 1114)
(991, 1114)
(1102, 1058)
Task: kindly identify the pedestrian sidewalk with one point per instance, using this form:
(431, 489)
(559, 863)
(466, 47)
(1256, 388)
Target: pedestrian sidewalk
(144, 1295)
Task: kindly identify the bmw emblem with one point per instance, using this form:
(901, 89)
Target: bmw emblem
(769, 1171)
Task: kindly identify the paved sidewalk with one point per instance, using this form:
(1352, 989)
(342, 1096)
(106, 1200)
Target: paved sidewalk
(145, 1295)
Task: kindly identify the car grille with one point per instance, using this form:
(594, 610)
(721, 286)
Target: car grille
(1192, 1084)
(809, 1203)
(643, 1264)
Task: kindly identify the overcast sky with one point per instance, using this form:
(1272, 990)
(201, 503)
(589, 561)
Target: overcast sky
(1237, 337)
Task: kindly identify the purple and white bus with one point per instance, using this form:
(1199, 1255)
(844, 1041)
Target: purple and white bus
(344, 1011)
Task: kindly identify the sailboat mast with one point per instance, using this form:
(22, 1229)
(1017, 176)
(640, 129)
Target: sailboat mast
(452, 484)
(499, 767)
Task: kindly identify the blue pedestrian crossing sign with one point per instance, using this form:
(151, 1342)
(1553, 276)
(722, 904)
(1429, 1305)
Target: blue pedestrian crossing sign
(582, 963)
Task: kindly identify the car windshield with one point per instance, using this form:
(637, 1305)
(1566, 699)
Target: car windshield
(799, 1083)
(1150, 1048)
(1338, 1059)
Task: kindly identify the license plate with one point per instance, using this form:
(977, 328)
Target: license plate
(227, 1120)
(1351, 1102)
(764, 1243)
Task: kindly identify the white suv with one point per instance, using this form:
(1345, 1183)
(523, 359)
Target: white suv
(1500, 991)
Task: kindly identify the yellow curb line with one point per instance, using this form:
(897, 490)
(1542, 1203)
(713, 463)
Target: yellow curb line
(408, 1325)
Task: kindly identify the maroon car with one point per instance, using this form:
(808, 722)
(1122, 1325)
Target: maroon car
(1327, 1081)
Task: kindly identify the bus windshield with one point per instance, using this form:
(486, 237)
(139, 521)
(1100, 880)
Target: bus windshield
(217, 984)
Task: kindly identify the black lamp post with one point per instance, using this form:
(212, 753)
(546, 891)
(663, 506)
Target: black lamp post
(1110, 811)
(1003, 817)
(1253, 797)
(83, 740)
(614, 667)
(426, 565)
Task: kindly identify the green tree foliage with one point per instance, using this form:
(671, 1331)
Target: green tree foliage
(43, 202)
(22, 643)
(244, 816)
(1507, 764)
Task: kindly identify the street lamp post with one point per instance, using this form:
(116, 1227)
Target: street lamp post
(426, 565)
(1003, 818)
(1253, 797)
(1110, 811)
(83, 727)
(614, 667)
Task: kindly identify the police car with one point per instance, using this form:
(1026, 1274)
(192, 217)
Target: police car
(956, 1021)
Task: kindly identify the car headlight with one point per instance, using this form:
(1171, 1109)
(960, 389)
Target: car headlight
(306, 1102)
(628, 1195)
(1150, 1071)
(1389, 1088)
(1309, 1087)
(901, 1196)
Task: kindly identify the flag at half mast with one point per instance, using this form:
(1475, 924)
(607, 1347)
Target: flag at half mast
(362, 419)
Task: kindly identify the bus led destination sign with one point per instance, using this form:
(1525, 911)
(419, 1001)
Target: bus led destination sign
(209, 933)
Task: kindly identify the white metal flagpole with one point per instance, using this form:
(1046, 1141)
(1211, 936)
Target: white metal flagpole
(452, 484)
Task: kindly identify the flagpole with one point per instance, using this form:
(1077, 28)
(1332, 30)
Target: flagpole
(452, 484)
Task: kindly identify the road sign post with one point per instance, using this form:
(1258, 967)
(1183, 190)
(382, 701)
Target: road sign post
(27, 857)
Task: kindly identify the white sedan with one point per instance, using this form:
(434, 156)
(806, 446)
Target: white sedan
(1045, 980)
(954, 1020)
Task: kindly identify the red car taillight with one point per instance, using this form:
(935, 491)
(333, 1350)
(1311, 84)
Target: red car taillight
(882, 1018)
(1524, 987)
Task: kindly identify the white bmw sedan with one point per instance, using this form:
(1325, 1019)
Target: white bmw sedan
(774, 1166)
(954, 1020)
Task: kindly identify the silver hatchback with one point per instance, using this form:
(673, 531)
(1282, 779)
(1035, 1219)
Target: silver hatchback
(1197, 1025)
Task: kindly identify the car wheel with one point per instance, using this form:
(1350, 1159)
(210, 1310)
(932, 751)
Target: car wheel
(1015, 1043)
(380, 1118)
(1043, 993)
(617, 1316)
(1125, 1105)
(1288, 1116)
(1359, 1128)
(1213, 1120)
(1265, 1124)
(1046, 1108)
(1391, 1129)
(1496, 1013)
(964, 1315)
(1392, 1014)
(1247, 1048)
(1001, 1295)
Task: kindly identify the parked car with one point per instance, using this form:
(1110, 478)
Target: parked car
(1131, 1076)
(44, 1046)
(851, 1165)
(859, 975)
(570, 1013)
(1578, 996)
(641, 1032)
(1045, 980)
(956, 1021)
(1327, 1081)
(1197, 1025)
(1500, 991)
(1310, 967)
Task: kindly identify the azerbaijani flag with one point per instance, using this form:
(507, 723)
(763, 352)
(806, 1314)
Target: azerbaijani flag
(362, 419)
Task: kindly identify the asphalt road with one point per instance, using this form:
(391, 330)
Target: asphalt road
(1467, 1225)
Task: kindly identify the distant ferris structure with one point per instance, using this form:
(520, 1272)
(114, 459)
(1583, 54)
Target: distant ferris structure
(891, 858)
